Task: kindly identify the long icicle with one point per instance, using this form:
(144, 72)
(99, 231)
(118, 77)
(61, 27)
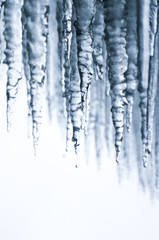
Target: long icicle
(143, 69)
(13, 37)
(132, 51)
(153, 70)
(75, 94)
(117, 62)
(85, 14)
(67, 34)
(26, 72)
(36, 27)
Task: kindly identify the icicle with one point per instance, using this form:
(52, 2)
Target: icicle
(98, 35)
(117, 61)
(67, 35)
(59, 17)
(153, 71)
(131, 49)
(49, 59)
(74, 90)
(36, 27)
(143, 68)
(85, 14)
(13, 37)
(26, 71)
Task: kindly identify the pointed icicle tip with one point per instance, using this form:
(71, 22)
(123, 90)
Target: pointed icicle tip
(128, 128)
(117, 156)
(145, 162)
(76, 148)
(145, 156)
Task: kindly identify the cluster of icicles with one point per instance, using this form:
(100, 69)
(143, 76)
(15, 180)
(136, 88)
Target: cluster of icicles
(108, 63)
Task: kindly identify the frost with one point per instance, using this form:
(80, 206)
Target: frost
(67, 35)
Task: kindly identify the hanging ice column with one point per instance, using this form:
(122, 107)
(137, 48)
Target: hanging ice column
(153, 70)
(36, 26)
(117, 63)
(74, 91)
(67, 34)
(84, 14)
(132, 51)
(143, 69)
(13, 37)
